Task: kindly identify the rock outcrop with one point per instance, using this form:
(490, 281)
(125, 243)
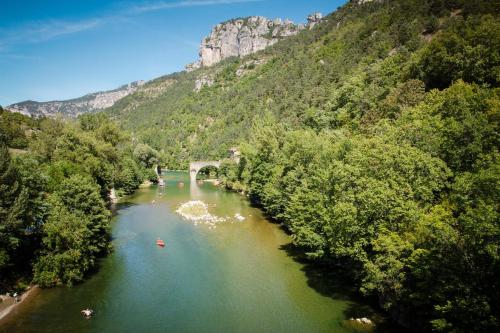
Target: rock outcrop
(249, 66)
(241, 37)
(74, 107)
(314, 19)
(362, 2)
(202, 81)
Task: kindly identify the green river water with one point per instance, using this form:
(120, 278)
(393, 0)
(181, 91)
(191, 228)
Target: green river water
(234, 278)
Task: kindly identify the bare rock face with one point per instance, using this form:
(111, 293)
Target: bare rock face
(74, 107)
(241, 37)
(249, 66)
(202, 81)
(362, 2)
(314, 19)
(192, 66)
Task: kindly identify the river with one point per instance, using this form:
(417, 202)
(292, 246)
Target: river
(236, 277)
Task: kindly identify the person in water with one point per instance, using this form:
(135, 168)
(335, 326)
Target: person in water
(87, 312)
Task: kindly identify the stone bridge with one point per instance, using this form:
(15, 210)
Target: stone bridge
(195, 167)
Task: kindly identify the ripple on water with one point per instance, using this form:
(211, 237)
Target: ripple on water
(122, 238)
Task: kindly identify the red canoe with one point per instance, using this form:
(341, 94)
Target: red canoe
(161, 243)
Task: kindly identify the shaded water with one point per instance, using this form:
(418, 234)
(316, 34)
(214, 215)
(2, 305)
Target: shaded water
(235, 278)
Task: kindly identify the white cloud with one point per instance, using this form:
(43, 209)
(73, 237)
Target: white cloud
(161, 5)
(52, 29)
(42, 31)
(17, 56)
(37, 32)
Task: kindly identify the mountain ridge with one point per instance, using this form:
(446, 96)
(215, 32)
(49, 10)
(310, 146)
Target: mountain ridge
(74, 107)
(253, 34)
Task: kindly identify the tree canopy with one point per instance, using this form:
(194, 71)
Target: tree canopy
(54, 195)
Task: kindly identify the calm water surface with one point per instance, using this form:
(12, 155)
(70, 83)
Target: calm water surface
(236, 278)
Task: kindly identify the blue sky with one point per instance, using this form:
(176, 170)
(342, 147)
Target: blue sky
(53, 50)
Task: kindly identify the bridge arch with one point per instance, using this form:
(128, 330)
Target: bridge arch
(195, 167)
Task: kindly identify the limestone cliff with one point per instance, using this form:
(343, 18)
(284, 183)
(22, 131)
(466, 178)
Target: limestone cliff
(241, 37)
(74, 107)
(362, 2)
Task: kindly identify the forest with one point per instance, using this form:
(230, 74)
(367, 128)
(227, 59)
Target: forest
(397, 177)
(55, 180)
(373, 139)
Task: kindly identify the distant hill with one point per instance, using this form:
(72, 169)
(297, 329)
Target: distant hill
(74, 107)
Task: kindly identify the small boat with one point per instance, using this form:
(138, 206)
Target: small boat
(161, 182)
(160, 242)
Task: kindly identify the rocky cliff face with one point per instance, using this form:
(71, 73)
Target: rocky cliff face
(241, 37)
(362, 2)
(77, 106)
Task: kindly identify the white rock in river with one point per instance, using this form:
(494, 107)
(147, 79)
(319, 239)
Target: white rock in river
(365, 320)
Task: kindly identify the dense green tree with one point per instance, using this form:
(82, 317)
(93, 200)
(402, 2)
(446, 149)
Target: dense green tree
(13, 201)
(129, 175)
(146, 155)
(67, 253)
(468, 51)
(13, 128)
(409, 204)
(54, 218)
(75, 234)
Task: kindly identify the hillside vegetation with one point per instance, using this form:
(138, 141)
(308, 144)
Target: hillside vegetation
(373, 138)
(333, 75)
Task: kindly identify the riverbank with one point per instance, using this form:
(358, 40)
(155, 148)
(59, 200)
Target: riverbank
(205, 280)
(9, 303)
(213, 181)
